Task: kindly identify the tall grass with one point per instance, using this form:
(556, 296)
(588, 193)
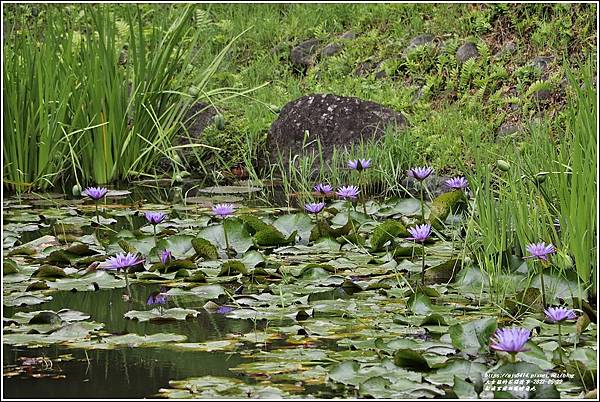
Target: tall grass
(75, 112)
(548, 194)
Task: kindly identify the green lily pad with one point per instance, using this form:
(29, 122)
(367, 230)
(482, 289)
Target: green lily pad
(157, 314)
(473, 336)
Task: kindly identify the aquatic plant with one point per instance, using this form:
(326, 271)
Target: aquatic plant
(314, 207)
(165, 256)
(348, 192)
(420, 233)
(96, 194)
(420, 174)
(159, 298)
(510, 340)
(323, 188)
(557, 315)
(124, 262)
(223, 211)
(457, 183)
(540, 253)
(360, 165)
(154, 218)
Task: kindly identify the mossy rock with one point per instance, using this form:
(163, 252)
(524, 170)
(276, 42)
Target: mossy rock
(37, 285)
(197, 277)
(126, 247)
(443, 205)
(49, 271)
(233, 267)
(254, 224)
(387, 231)
(9, 267)
(269, 236)
(46, 317)
(443, 273)
(205, 249)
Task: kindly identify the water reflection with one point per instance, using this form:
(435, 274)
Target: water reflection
(126, 372)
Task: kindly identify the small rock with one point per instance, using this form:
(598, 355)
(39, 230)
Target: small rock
(380, 74)
(542, 95)
(466, 52)
(302, 56)
(507, 129)
(419, 41)
(541, 62)
(331, 50)
(509, 48)
(348, 35)
(363, 69)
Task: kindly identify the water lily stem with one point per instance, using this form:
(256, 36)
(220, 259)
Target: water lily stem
(543, 287)
(423, 263)
(226, 240)
(97, 214)
(560, 349)
(364, 192)
(127, 283)
(422, 203)
(154, 226)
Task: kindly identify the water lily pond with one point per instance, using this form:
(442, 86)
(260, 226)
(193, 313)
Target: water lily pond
(272, 302)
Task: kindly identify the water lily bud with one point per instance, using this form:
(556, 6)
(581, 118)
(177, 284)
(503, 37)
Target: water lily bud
(177, 178)
(219, 121)
(76, 190)
(184, 173)
(193, 90)
(503, 165)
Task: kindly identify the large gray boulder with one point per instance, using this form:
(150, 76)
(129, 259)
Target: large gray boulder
(336, 121)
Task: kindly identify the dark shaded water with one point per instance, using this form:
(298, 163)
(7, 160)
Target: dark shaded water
(126, 372)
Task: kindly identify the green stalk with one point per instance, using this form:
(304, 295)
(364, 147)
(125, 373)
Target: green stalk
(542, 283)
(127, 282)
(364, 194)
(97, 214)
(423, 263)
(154, 227)
(226, 239)
(560, 349)
(422, 203)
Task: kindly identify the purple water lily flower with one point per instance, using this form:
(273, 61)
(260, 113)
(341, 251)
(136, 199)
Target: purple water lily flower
(420, 173)
(314, 207)
(348, 192)
(160, 297)
(224, 309)
(155, 217)
(165, 257)
(420, 233)
(223, 210)
(359, 164)
(323, 188)
(559, 314)
(540, 250)
(122, 261)
(511, 340)
(95, 193)
(457, 183)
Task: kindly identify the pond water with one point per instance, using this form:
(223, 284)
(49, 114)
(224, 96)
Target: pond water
(298, 305)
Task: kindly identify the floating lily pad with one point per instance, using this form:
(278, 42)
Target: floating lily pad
(156, 314)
